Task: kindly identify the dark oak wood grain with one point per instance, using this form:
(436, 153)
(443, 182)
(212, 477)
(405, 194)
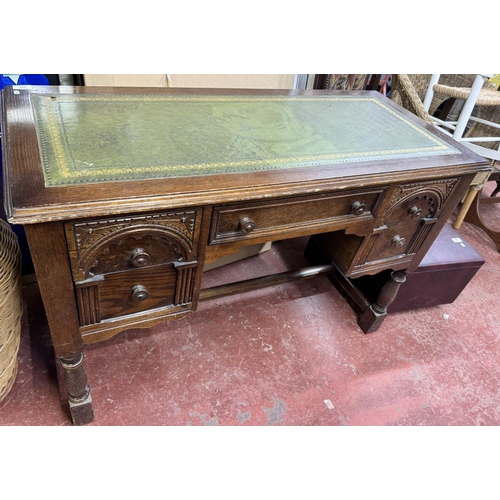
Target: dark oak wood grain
(297, 216)
(53, 273)
(27, 189)
(217, 292)
(118, 255)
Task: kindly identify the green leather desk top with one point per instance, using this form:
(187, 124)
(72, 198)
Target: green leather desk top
(100, 138)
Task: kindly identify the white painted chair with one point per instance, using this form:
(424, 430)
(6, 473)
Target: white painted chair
(480, 94)
(480, 133)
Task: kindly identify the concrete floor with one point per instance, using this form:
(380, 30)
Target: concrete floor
(291, 355)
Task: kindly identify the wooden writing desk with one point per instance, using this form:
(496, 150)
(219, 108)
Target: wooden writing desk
(126, 193)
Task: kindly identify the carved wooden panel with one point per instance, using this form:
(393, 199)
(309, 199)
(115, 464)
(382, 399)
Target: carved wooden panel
(411, 214)
(421, 235)
(185, 282)
(102, 246)
(88, 303)
(418, 200)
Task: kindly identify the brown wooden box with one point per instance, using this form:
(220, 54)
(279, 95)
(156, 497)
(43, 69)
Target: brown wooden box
(444, 272)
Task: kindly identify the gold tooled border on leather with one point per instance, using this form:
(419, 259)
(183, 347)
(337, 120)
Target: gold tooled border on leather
(50, 130)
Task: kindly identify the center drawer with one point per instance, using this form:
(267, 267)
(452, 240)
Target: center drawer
(279, 217)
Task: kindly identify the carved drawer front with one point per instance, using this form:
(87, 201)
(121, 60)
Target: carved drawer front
(132, 264)
(412, 212)
(128, 292)
(255, 220)
(108, 245)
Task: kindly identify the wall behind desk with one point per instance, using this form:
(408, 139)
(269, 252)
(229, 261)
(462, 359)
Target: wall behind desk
(199, 81)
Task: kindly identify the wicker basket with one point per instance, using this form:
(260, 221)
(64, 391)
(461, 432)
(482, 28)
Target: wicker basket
(10, 307)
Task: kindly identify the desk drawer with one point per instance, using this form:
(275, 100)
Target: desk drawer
(394, 241)
(134, 291)
(256, 220)
(413, 210)
(107, 245)
(127, 292)
(134, 264)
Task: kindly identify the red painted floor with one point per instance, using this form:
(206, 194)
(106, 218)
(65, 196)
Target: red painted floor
(291, 355)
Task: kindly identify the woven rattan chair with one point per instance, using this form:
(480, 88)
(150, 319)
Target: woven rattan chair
(410, 91)
(478, 93)
(345, 82)
(10, 307)
(448, 100)
(480, 133)
(405, 91)
(473, 214)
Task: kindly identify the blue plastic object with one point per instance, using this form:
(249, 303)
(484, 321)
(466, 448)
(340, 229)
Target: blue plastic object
(22, 80)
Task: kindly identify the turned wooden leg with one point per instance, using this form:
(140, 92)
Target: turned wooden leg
(49, 252)
(79, 399)
(373, 317)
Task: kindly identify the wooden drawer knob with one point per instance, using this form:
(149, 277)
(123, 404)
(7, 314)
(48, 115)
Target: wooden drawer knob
(415, 212)
(140, 257)
(139, 293)
(398, 241)
(357, 208)
(246, 225)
